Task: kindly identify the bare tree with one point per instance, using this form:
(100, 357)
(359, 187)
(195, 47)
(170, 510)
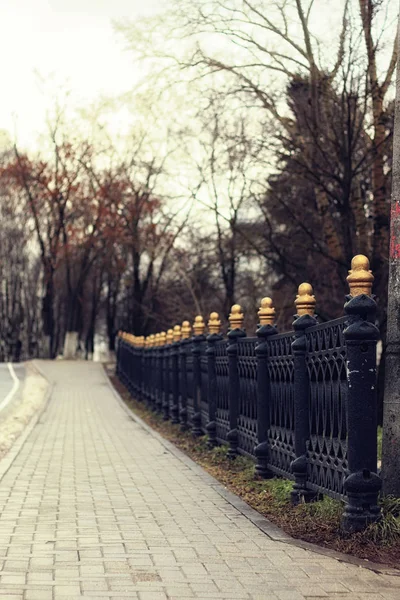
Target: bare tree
(258, 49)
(226, 160)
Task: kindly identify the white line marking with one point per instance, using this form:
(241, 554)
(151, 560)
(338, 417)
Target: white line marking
(15, 387)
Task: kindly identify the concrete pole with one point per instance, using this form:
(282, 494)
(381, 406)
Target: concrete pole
(391, 406)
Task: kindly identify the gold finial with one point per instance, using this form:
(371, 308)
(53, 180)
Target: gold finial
(214, 323)
(177, 333)
(198, 325)
(360, 277)
(163, 338)
(266, 312)
(140, 341)
(236, 317)
(170, 336)
(157, 340)
(186, 330)
(305, 300)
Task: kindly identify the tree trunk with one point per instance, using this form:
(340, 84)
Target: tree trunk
(380, 244)
(391, 408)
(70, 344)
(48, 316)
(74, 324)
(111, 309)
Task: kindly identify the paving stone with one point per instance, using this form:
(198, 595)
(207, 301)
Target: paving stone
(39, 594)
(66, 590)
(13, 579)
(94, 584)
(40, 577)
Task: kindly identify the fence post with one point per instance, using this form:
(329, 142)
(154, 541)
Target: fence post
(144, 370)
(123, 360)
(126, 362)
(140, 368)
(118, 352)
(198, 338)
(163, 341)
(305, 305)
(147, 370)
(134, 371)
(157, 372)
(149, 360)
(265, 330)
(214, 328)
(167, 376)
(186, 333)
(236, 319)
(152, 370)
(175, 374)
(362, 484)
(122, 353)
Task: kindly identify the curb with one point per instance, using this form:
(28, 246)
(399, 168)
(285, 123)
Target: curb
(16, 385)
(272, 531)
(8, 459)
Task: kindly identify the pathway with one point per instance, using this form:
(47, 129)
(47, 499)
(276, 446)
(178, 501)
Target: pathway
(94, 506)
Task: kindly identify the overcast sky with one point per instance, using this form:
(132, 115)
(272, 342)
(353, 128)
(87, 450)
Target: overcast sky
(49, 44)
(72, 42)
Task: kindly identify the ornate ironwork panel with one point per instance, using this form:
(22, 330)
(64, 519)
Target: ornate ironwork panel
(327, 447)
(281, 432)
(247, 420)
(222, 390)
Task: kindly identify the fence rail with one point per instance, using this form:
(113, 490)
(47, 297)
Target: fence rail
(302, 404)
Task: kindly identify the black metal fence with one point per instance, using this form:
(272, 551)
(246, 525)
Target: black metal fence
(302, 403)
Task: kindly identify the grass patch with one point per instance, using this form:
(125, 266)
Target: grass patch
(387, 531)
(317, 522)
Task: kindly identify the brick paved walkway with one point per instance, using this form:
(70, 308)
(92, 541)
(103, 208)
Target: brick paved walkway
(96, 507)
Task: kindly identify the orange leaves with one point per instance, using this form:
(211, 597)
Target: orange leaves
(84, 214)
